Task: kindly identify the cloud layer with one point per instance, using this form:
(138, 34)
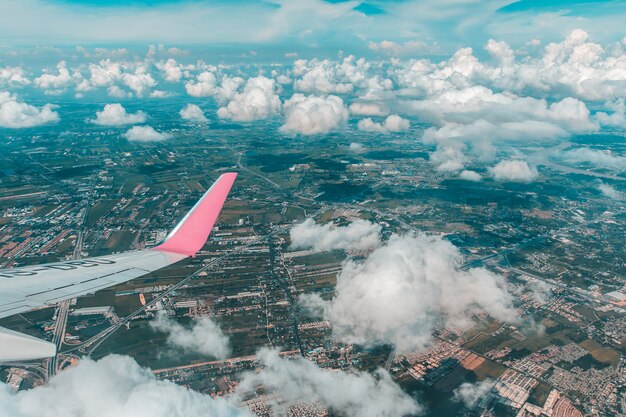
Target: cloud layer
(257, 101)
(349, 394)
(359, 235)
(310, 115)
(204, 336)
(193, 113)
(116, 386)
(112, 387)
(15, 114)
(406, 289)
(514, 170)
(115, 115)
(145, 134)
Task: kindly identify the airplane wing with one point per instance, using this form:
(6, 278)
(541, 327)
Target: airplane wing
(26, 288)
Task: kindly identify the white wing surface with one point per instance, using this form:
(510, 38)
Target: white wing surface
(27, 288)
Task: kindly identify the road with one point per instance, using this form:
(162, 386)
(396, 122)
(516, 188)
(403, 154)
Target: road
(256, 174)
(89, 346)
(60, 326)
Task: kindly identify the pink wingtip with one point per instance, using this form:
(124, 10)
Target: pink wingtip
(190, 235)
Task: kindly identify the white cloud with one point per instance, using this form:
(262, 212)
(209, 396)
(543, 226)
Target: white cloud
(409, 287)
(229, 87)
(470, 393)
(283, 79)
(474, 112)
(16, 114)
(204, 336)
(359, 235)
(193, 113)
(115, 386)
(140, 81)
(356, 147)
(347, 394)
(160, 94)
(257, 101)
(368, 108)
(115, 115)
(470, 176)
(573, 67)
(368, 125)
(610, 191)
(204, 86)
(105, 73)
(514, 170)
(596, 157)
(145, 134)
(615, 119)
(55, 81)
(482, 119)
(392, 123)
(116, 92)
(397, 49)
(309, 115)
(13, 76)
(172, 70)
(449, 157)
(326, 76)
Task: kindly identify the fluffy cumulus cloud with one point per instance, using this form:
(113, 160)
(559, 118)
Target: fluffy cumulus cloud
(359, 235)
(351, 75)
(346, 394)
(193, 113)
(257, 101)
(357, 147)
(15, 114)
(326, 76)
(115, 386)
(140, 81)
(470, 393)
(599, 158)
(609, 191)
(204, 336)
(574, 67)
(480, 118)
(406, 289)
(13, 76)
(204, 85)
(397, 49)
(368, 108)
(59, 81)
(104, 73)
(468, 175)
(616, 118)
(514, 170)
(116, 115)
(450, 156)
(172, 70)
(392, 123)
(310, 115)
(145, 134)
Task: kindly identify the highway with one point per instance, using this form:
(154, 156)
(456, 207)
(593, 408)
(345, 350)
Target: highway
(89, 346)
(60, 326)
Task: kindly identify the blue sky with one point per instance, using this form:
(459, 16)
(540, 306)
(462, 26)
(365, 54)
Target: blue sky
(443, 25)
